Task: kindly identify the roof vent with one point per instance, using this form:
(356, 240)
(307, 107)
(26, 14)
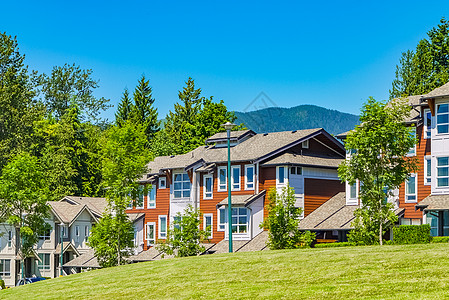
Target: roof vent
(171, 156)
(293, 131)
(207, 146)
(265, 134)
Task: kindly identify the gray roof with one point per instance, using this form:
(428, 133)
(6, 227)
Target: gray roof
(135, 216)
(258, 243)
(438, 92)
(66, 246)
(147, 255)
(223, 247)
(254, 148)
(95, 204)
(65, 211)
(434, 202)
(242, 199)
(234, 135)
(305, 160)
(85, 260)
(333, 214)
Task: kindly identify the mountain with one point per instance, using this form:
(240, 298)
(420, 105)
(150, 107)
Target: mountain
(274, 119)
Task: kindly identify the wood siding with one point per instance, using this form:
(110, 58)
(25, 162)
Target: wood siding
(422, 149)
(318, 191)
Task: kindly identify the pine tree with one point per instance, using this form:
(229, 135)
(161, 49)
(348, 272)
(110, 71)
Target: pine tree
(124, 109)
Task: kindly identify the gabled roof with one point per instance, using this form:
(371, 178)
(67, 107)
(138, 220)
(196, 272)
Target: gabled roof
(244, 200)
(234, 135)
(315, 160)
(441, 91)
(85, 260)
(96, 204)
(67, 213)
(434, 202)
(66, 246)
(133, 217)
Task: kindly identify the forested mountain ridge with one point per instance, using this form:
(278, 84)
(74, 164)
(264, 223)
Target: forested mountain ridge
(273, 119)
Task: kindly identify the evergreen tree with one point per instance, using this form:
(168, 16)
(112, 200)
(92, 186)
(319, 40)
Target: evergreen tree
(124, 109)
(426, 68)
(143, 111)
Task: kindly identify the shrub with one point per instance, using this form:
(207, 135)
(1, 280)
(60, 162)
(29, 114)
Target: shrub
(332, 245)
(306, 239)
(411, 234)
(440, 239)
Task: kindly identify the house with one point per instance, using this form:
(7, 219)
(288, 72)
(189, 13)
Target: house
(424, 198)
(307, 160)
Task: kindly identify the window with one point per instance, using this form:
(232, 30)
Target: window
(44, 261)
(208, 186)
(45, 235)
(222, 179)
(353, 191)
(427, 123)
(181, 186)
(151, 197)
(139, 200)
(9, 238)
(207, 224)
(77, 233)
(427, 170)
(235, 180)
(412, 150)
(249, 177)
(443, 118)
(410, 189)
(150, 232)
(305, 144)
(221, 226)
(5, 267)
(162, 182)
(281, 175)
(296, 170)
(442, 171)
(239, 220)
(162, 227)
(177, 222)
(86, 233)
(64, 231)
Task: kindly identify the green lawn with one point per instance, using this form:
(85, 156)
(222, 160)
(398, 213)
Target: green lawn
(388, 272)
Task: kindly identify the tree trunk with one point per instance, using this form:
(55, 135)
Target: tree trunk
(380, 233)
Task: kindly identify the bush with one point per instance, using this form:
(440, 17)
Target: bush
(306, 239)
(440, 239)
(332, 245)
(411, 234)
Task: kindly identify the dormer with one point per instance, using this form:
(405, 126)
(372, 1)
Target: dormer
(221, 139)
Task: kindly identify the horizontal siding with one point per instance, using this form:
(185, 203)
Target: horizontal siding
(318, 191)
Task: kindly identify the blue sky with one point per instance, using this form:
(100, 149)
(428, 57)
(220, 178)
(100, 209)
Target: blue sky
(329, 53)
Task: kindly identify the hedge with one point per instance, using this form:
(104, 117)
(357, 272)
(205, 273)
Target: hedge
(411, 234)
(331, 245)
(440, 239)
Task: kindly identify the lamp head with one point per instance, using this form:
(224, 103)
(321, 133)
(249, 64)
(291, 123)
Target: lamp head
(228, 125)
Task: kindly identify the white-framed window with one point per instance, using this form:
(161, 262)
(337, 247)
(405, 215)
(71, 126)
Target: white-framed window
(177, 220)
(9, 238)
(442, 171)
(353, 191)
(44, 261)
(151, 197)
(411, 189)
(65, 231)
(239, 220)
(221, 219)
(235, 179)
(412, 151)
(296, 170)
(181, 186)
(150, 232)
(427, 123)
(86, 232)
(281, 175)
(77, 233)
(5, 267)
(249, 177)
(208, 224)
(162, 227)
(442, 118)
(208, 186)
(222, 179)
(305, 144)
(162, 183)
(139, 200)
(427, 170)
(45, 235)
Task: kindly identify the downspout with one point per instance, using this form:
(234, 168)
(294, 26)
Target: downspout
(257, 179)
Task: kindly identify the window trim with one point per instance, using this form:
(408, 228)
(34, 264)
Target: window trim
(286, 169)
(86, 232)
(426, 128)
(305, 144)
(77, 233)
(220, 184)
(160, 236)
(65, 231)
(211, 224)
(412, 151)
(43, 237)
(416, 189)
(182, 186)
(149, 200)
(3, 272)
(205, 177)
(41, 264)
(436, 121)
(223, 209)
(10, 236)
(147, 225)
(247, 224)
(162, 186)
(232, 178)
(246, 177)
(426, 168)
(436, 175)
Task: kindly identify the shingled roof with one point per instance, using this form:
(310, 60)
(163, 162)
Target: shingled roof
(234, 135)
(438, 92)
(95, 204)
(314, 160)
(434, 202)
(85, 260)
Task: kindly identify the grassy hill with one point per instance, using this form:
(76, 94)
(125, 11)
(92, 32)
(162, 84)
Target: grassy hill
(388, 272)
(274, 119)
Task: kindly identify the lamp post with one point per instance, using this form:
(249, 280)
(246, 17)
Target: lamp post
(228, 126)
(61, 256)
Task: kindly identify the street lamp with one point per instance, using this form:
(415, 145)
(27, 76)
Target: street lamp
(23, 257)
(228, 126)
(61, 256)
